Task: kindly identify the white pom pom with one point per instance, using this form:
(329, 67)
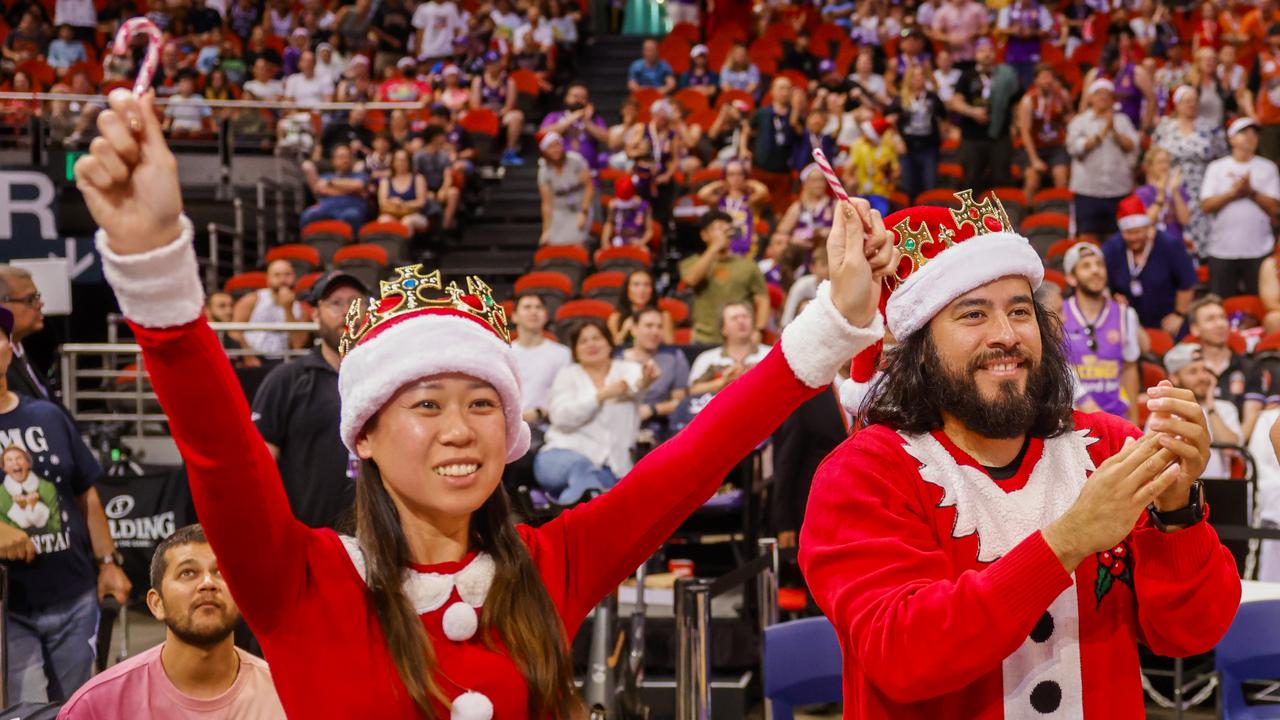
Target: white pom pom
(460, 622)
(471, 706)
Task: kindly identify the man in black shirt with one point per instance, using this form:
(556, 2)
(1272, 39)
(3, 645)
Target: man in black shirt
(392, 23)
(1239, 380)
(352, 133)
(984, 99)
(297, 411)
(202, 19)
(18, 295)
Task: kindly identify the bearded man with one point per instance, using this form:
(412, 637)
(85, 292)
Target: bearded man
(984, 551)
(197, 672)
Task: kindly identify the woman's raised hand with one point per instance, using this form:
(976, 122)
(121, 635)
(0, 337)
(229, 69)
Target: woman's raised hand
(129, 178)
(859, 254)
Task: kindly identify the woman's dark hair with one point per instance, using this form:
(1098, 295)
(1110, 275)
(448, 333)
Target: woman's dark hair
(518, 611)
(576, 330)
(623, 304)
(909, 394)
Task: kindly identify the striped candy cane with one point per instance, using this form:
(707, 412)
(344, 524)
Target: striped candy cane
(147, 70)
(832, 179)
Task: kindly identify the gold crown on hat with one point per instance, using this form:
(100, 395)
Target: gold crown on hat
(410, 291)
(987, 216)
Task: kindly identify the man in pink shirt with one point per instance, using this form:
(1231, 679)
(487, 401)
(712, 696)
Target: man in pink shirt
(957, 24)
(197, 672)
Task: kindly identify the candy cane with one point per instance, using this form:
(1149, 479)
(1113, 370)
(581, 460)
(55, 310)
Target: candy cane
(130, 28)
(832, 179)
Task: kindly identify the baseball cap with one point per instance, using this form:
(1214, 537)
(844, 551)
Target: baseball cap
(1241, 124)
(1180, 356)
(406, 62)
(332, 280)
(698, 50)
(1078, 251)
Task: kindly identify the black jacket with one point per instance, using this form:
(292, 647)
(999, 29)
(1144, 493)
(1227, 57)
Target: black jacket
(801, 444)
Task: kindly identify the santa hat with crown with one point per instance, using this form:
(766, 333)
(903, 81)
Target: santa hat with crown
(947, 252)
(418, 328)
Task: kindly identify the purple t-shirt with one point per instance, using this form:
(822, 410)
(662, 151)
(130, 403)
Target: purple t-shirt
(577, 139)
(1168, 222)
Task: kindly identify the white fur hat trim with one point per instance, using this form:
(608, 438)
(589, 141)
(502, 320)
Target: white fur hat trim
(471, 705)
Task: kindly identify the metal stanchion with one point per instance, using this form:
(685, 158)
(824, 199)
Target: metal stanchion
(767, 589)
(693, 649)
(4, 636)
(599, 689)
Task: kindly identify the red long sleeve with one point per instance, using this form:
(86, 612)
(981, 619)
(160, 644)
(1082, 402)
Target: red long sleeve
(234, 480)
(917, 628)
(605, 540)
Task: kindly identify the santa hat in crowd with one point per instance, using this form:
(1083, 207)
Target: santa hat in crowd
(419, 328)
(947, 252)
(624, 188)
(874, 129)
(1131, 214)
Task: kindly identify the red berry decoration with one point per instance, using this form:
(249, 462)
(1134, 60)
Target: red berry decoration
(1118, 567)
(1119, 550)
(1105, 558)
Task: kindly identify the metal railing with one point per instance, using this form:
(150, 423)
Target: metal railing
(109, 382)
(278, 188)
(234, 249)
(693, 598)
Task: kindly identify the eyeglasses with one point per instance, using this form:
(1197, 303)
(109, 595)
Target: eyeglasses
(31, 299)
(1091, 334)
(337, 304)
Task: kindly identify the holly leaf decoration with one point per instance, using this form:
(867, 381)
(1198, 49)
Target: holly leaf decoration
(1104, 582)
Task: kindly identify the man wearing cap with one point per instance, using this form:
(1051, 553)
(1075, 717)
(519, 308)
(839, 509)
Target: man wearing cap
(700, 76)
(55, 544)
(1102, 337)
(982, 550)
(1264, 83)
(297, 411)
(1186, 368)
(1242, 194)
(1153, 272)
(1103, 145)
(583, 131)
(650, 71)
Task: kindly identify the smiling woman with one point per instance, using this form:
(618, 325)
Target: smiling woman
(440, 605)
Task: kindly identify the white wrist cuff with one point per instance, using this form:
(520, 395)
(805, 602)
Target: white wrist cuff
(158, 288)
(820, 340)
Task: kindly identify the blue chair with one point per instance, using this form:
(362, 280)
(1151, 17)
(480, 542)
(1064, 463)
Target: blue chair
(801, 665)
(1249, 651)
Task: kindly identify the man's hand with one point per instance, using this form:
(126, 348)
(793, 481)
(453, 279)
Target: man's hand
(1172, 324)
(1181, 427)
(15, 544)
(649, 373)
(129, 179)
(858, 231)
(112, 581)
(1112, 500)
(786, 539)
(1039, 165)
(613, 390)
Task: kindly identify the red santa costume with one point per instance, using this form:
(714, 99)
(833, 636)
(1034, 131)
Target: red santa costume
(946, 598)
(303, 592)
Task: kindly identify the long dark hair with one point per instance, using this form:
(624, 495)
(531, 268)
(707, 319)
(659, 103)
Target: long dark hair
(908, 397)
(623, 304)
(518, 609)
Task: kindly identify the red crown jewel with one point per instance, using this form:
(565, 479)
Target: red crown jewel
(920, 233)
(411, 292)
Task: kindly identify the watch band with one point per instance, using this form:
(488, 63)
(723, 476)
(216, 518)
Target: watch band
(1189, 515)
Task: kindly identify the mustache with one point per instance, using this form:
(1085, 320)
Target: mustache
(1018, 353)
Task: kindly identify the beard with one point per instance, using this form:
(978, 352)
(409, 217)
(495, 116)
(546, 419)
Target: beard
(330, 336)
(205, 635)
(1010, 414)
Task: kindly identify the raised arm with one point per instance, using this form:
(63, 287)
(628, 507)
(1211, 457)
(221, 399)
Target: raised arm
(603, 541)
(130, 183)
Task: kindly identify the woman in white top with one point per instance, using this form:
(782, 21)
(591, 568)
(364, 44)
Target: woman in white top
(594, 416)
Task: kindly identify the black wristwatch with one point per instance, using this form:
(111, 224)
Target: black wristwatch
(1189, 515)
(115, 558)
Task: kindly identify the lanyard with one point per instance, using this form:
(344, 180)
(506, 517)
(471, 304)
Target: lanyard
(1138, 264)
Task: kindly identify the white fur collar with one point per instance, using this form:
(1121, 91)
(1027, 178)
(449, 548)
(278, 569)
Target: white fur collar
(21, 487)
(1004, 519)
(430, 591)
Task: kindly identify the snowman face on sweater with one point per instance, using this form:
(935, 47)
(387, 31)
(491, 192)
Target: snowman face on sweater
(440, 444)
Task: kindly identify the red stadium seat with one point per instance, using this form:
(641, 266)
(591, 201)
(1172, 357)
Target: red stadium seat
(393, 237)
(585, 308)
(623, 259)
(306, 282)
(684, 336)
(1055, 277)
(677, 309)
(1161, 341)
(732, 95)
(603, 285)
(304, 258)
(245, 283)
(1248, 304)
(939, 198)
(692, 101)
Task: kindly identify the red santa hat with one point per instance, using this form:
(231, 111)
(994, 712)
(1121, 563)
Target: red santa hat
(624, 188)
(946, 253)
(1131, 214)
(874, 128)
(420, 328)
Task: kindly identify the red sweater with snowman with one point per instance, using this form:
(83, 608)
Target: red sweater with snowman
(948, 603)
(302, 590)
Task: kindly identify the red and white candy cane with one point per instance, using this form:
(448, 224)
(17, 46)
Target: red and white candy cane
(832, 179)
(150, 61)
